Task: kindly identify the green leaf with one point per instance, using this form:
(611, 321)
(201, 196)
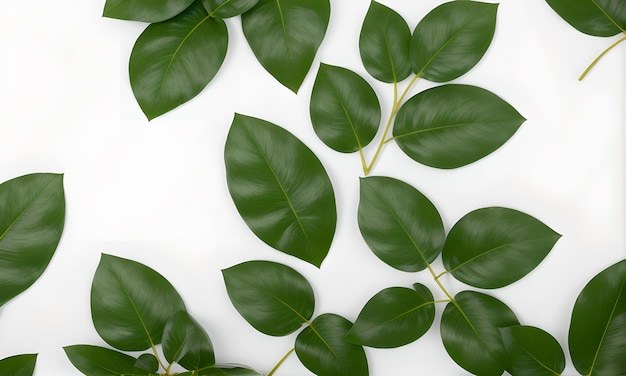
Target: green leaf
(285, 35)
(280, 189)
(450, 126)
(469, 330)
(186, 343)
(399, 224)
(172, 61)
(273, 298)
(345, 111)
(99, 361)
(148, 363)
(131, 303)
(488, 241)
(601, 18)
(144, 10)
(225, 370)
(597, 333)
(228, 8)
(394, 317)
(384, 44)
(321, 348)
(18, 365)
(32, 215)
(532, 351)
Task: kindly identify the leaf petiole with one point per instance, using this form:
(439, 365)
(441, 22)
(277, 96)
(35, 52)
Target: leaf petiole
(280, 362)
(597, 59)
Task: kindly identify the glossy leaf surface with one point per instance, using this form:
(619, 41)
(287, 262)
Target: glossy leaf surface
(285, 35)
(322, 349)
(601, 18)
(98, 361)
(394, 317)
(32, 216)
(172, 61)
(228, 8)
(532, 352)
(273, 298)
(469, 330)
(187, 343)
(147, 362)
(131, 303)
(18, 365)
(144, 10)
(494, 247)
(345, 111)
(452, 38)
(384, 44)
(450, 126)
(597, 333)
(280, 189)
(399, 224)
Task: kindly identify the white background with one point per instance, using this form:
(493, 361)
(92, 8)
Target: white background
(155, 192)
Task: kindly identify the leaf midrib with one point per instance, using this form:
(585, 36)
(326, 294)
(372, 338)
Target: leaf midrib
(607, 16)
(132, 303)
(442, 127)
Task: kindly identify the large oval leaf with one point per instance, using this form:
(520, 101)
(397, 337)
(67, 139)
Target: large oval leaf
(285, 35)
(322, 349)
(450, 126)
(144, 10)
(399, 224)
(486, 242)
(345, 111)
(186, 343)
(131, 303)
(32, 215)
(601, 18)
(469, 330)
(532, 352)
(228, 8)
(18, 365)
(280, 189)
(597, 333)
(384, 44)
(273, 298)
(172, 61)
(98, 361)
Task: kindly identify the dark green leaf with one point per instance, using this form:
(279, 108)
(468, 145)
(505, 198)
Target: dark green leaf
(99, 361)
(532, 352)
(493, 247)
(227, 370)
(597, 333)
(601, 18)
(345, 111)
(399, 224)
(452, 38)
(228, 8)
(322, 349)
(394, 317)
(144, 10)
(186, 343)
(130, 303)
(285, 35)
(172, 61)
(451, 126)
(18, 365)
(384, 44)
(469, 330)
(280, 189)
(148, 363)
(273, 298)
(32, 215)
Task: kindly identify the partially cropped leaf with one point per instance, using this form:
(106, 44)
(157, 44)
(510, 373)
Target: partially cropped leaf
(273, 298)
(32, 215)
(187, 343)
(147, 362)
(394, 317)
(601, 18)
(144, 10)
(597, 333)
(532, 352)
(322, 349)
(493, 247)
(99, 361)
(399, 224)
(345, 111)
(131, 303)
(280, 189)
(285, 35)
(452, 38)
(172, 61)
(469, 330)
(450, 126)
(227, 371)
(18, 365)
(228, 8)
(384, 44)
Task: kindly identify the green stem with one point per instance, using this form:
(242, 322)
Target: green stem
(280, 362)
(595, 61)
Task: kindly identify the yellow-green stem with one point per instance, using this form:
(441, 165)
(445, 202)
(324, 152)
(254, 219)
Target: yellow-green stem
(280, 362)
(595, 61)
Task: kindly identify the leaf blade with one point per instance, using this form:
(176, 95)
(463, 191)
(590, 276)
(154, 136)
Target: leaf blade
(95, 360)
(532, 351)
(187, 343)
(602, 18)
(18, 365)
(228, 8)
(144, 10)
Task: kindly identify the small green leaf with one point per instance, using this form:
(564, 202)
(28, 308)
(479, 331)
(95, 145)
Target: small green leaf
(130, 303)
(452, 38)
(227, 370)
(450, 126)
(602, 18)
(148, 363)
(384, 44)
(99, 361)
(488, 241)
(280, 189)
(228, 8)
(18, 365)
(172, 61)
(32, 215)
(273, 298)
(186, 343)
(532, 352)
(394, 317)
(285, 35)
(469, 330)
(345, 111)
(597, 333)
(399, 224)
(144, 10)
(322, 349)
